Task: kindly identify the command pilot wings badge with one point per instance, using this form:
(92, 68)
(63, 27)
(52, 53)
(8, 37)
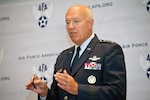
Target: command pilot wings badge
(94, 58)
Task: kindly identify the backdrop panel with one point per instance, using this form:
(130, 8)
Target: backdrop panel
(32, 34)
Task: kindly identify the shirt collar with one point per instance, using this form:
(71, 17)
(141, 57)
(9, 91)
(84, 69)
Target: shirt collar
(85, 44)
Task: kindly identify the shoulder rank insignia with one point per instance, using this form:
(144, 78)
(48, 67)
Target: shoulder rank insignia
(101, 40)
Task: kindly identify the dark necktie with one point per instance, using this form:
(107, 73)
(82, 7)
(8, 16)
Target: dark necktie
(75, 58)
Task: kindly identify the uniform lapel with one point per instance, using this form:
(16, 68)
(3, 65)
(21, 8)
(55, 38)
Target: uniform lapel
(85, 55)
(67, 61)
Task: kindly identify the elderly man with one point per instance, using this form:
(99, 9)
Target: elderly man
(93, 69)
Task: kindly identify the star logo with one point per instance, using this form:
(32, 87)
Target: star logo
(42, 13)
(148, 73)
(148, 6)
(145, 65)
(43, 21)
(43, 72)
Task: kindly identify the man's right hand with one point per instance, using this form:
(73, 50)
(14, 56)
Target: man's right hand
(37, 85)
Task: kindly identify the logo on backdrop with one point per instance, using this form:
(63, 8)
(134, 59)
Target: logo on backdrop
(145, 64)
(147, 4)
(42, 71)
(42, 13)
(1, 55)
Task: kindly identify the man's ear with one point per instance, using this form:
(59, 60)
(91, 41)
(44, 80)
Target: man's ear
(90, 23)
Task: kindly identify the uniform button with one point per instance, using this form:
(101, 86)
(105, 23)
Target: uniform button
(65, 97)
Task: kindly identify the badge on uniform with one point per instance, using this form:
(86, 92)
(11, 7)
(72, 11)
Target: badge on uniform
(91, 79)
(94, 58)
(92, 66)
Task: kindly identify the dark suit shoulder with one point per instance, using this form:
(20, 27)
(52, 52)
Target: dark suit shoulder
(67, 50)
(63, 55)
(107, 44)
(106, 41)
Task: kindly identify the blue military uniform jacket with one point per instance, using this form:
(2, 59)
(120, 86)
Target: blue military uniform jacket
(100, 73)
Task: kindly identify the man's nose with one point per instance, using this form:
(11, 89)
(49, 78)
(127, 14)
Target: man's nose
(71, 25)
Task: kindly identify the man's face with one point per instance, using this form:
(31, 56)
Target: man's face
(77, 25)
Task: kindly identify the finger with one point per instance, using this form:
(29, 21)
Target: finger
(31, 83)
(61, 86)
(60, 76)
(34, 77)
(60, 79)
(37, 82)
(66, 74)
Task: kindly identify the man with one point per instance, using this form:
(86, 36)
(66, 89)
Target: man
(99, 73)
